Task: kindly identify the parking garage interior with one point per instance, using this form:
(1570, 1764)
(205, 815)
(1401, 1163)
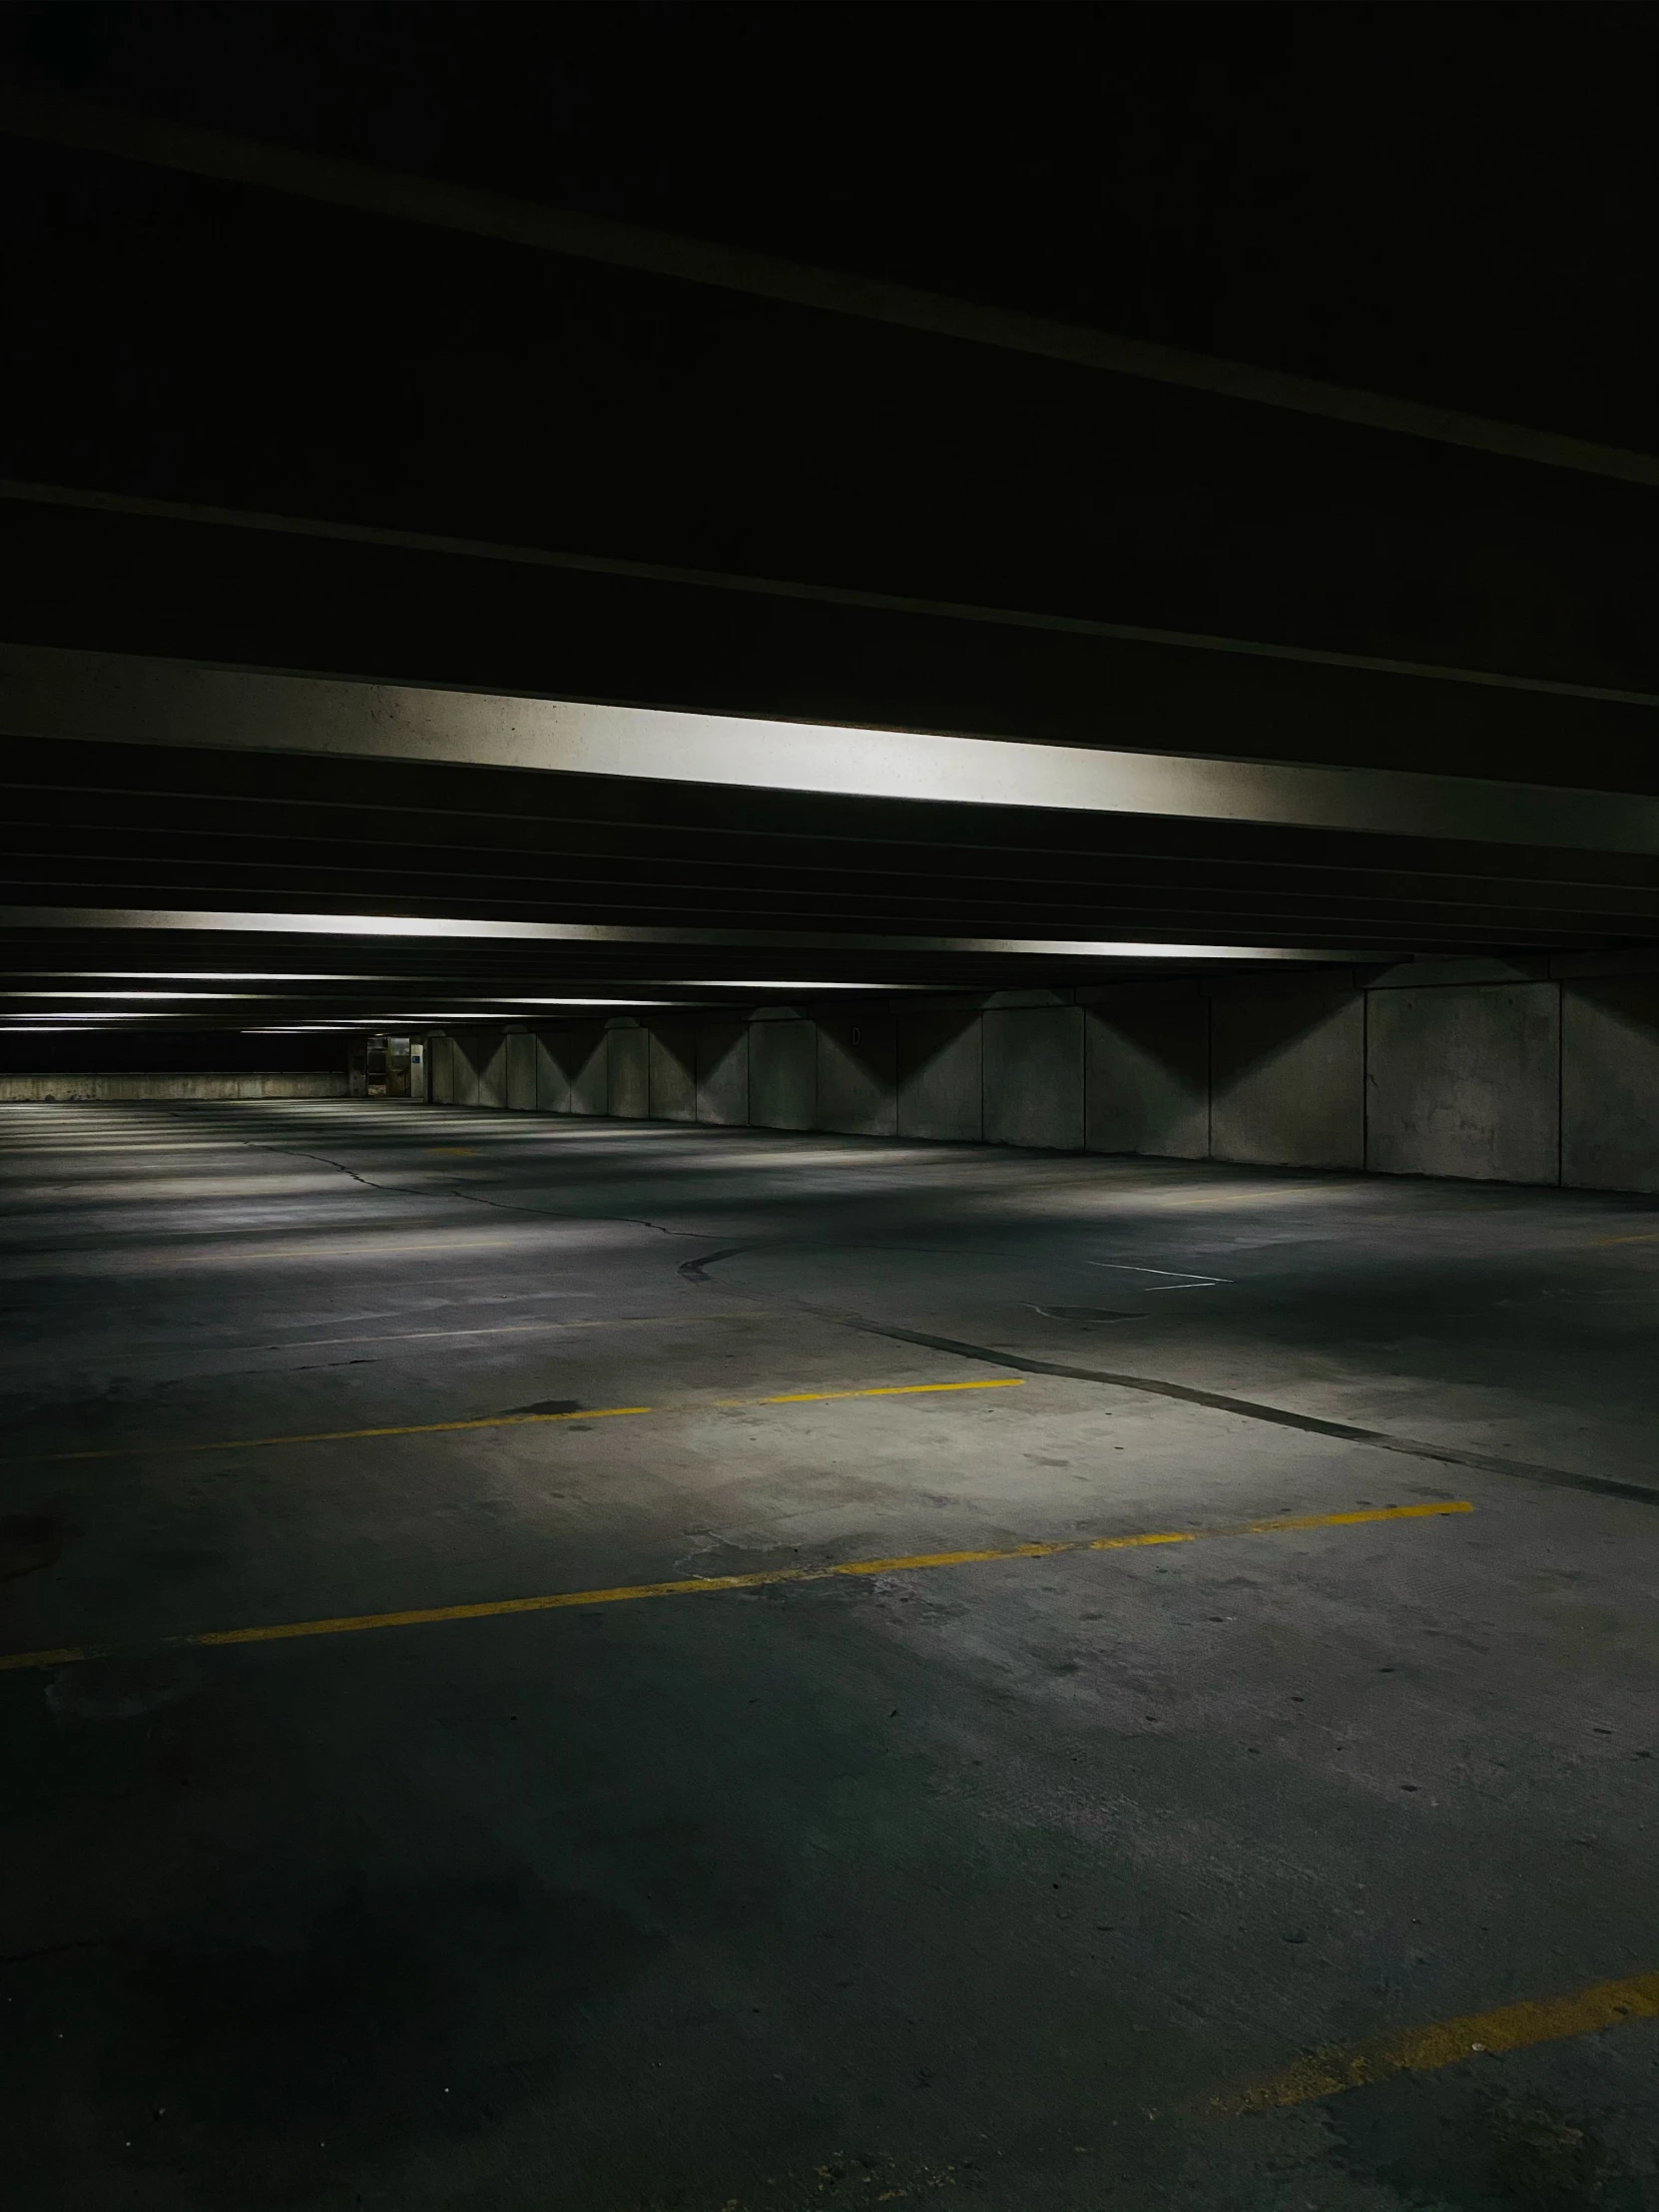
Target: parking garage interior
(937, 977)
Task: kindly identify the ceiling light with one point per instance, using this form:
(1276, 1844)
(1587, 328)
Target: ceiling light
(204, 976)
(188, 995)
(772, 983)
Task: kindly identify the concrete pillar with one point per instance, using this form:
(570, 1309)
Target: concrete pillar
(629, 1047)
(1147, 1071)
(552, 1077)
(1033, 1077)
(467, 1068)
(521, 1071)
(489, 1048)
(940, 1076)
(1288, 1074)
(1610, 1083)
(671, 1077)
(442, 1073)
(723, 1073)
(578, 1051)
(858, 1079)
(782, 1074)
(1465, 1080)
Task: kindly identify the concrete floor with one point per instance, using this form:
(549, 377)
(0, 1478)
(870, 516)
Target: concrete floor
(978, 1881)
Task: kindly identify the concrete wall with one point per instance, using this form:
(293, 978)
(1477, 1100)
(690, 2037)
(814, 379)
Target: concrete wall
(552, 1079)
(175, 1083)
(629, 1072)
(1463, 1080)
(1610, 1083)
(521, 1071)
(782, 1074)
(941, 1089)
(440, 1050)
(723, 1073)
(1498, 1070)
(1147, 1070)
(1032, 1077)
(480, 1067)
(582, 1061)
(1287, 1075)
(858, 1075)
(673, 1071)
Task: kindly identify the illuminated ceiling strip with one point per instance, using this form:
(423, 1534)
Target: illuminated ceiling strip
(269, 166)
(186, 998)
(197, 976)
(54, 693)
(573, 932)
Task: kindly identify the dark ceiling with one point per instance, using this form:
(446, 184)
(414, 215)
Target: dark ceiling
(240, 416)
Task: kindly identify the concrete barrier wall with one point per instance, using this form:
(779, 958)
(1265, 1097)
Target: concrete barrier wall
(629, 1072)
(858, 1075)
(521, 1071)
(782, 1074)
(1610, 1083)
(1032, 1076)
(723, 1073)
(1465, 1080)
(941, 1082)
(172, 1084)
(671, 1074)
(1146, 1070)
(1501, 1071)
(1287, 1075)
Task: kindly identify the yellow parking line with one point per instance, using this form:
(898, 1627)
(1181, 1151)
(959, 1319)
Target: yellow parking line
(530, 1420)
(1448, 2043)
(424, 1616)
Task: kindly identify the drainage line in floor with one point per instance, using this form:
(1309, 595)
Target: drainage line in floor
(1409, 1447)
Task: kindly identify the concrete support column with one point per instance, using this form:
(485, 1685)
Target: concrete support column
(723, 1072)
(783, 1073)
(940, 1065)
(1033, 1074)
(1287, 1074)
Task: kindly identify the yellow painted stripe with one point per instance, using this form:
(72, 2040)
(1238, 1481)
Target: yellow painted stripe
(424, 1616)
(1645, 1236)
(531, 1420)
(1449, 2042)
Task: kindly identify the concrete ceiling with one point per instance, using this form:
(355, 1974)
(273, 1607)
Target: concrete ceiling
(490, 601)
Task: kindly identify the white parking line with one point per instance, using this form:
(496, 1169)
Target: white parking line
(1178, 1281)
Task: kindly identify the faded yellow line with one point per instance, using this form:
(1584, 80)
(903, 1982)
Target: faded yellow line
(530, 1420)
(1645, 1236)
(1448, 2042)
(426, 1616)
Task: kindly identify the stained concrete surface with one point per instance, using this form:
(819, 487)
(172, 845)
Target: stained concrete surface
(972, 1882)
(1147, 1072)
(629, 1088)
(1609, 1083)
(782, 1074)
(1287, 1075)
(941, 1078)
(1465, 1082)
(857, 1081)
(1034, 1076)
(673, 1071)
(722, 1072)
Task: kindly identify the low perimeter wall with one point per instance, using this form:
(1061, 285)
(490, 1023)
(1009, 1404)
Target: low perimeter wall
(1544, 1071)
(175, 1083)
